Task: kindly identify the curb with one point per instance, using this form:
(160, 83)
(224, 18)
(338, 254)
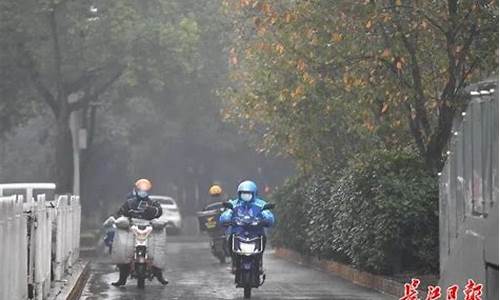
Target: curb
(365, 279)
(73, 287)
(80, 283)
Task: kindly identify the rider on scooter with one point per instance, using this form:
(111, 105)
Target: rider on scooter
(247, 203)
(140, 206)
(215, 192)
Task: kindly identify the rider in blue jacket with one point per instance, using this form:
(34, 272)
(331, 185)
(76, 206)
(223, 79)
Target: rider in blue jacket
(247, 204)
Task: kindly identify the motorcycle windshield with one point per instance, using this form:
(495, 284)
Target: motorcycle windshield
(247, 230)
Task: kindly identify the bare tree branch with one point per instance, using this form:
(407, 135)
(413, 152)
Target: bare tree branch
(415, 131)
(417, 79)
(85, 100)
(421, 12)
(27, 63)
(83, 81)
(43, 90)
(59, 97)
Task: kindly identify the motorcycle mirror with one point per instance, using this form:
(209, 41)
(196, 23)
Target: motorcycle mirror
(268, 206)
(227, 205)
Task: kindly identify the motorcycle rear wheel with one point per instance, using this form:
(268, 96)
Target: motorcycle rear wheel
(247, 292)
(141, 283)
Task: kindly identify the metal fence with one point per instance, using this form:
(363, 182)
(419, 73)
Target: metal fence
(40, 239)
(13, 249)
(469, 191)
(67, 230)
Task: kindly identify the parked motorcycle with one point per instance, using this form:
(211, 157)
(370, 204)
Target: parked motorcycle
(208, 222)
(140, 263)
(248, 248)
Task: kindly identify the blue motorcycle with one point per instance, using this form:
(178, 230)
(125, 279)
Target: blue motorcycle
(247, 245)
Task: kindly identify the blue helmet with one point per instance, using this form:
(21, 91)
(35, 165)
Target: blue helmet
(248, 186)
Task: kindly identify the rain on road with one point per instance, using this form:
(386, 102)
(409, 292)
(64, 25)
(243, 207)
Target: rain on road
(195, 274)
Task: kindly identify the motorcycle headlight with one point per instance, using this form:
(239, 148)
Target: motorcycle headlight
(247, 248)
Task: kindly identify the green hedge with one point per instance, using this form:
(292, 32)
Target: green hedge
(290, 231)
(380, 214)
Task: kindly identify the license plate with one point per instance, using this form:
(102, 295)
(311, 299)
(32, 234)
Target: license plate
(247, 266)
(211, 223)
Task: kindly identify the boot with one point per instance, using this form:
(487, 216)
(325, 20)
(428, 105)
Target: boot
(157, 272)
(261, 265)
(124, 271)
(233, 265)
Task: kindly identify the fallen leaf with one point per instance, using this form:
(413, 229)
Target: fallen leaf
(385, 107)
(336, 37)
(369, 24)
(280, 48)
(386, 53)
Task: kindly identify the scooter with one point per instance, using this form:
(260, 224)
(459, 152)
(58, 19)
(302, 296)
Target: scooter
(248, 249)
(208, 222)
(217, 247)
(140, 263)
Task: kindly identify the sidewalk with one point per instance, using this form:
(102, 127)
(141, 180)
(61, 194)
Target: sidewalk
(70, 288)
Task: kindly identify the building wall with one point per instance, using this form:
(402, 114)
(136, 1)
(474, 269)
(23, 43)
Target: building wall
(469, 195)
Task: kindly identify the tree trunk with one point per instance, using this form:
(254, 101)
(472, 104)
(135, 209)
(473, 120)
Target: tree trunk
(64, 155)
(439, 141)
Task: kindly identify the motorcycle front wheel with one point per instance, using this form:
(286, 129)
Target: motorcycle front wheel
(247, 280)
(140, 270)
(141, 283)
(222, 258)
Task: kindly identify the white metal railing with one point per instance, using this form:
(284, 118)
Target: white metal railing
(28, 253)
(67, 232)
(13, 249)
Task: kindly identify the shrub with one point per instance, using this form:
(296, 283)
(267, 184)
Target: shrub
(380, 214)
(291, 222)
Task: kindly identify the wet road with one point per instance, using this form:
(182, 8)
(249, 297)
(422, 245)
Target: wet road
(195, 274)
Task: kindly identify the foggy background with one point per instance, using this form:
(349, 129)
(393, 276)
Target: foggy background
(166, 127)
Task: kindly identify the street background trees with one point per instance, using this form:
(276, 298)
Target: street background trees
(362, 96)
(143, 78)
(69, 53)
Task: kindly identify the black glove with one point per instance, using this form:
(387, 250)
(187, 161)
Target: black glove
(133, 213)
(150, 212)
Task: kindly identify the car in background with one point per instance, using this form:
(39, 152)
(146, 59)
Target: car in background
(171, 214)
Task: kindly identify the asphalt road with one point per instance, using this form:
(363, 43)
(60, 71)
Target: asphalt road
(195, 274)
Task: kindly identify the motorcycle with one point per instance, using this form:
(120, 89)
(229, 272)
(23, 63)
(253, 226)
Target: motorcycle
(208, 222)
(248, 248)
(217, 247)
(140, 263)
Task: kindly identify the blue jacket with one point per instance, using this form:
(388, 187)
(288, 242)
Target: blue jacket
(252, 208)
